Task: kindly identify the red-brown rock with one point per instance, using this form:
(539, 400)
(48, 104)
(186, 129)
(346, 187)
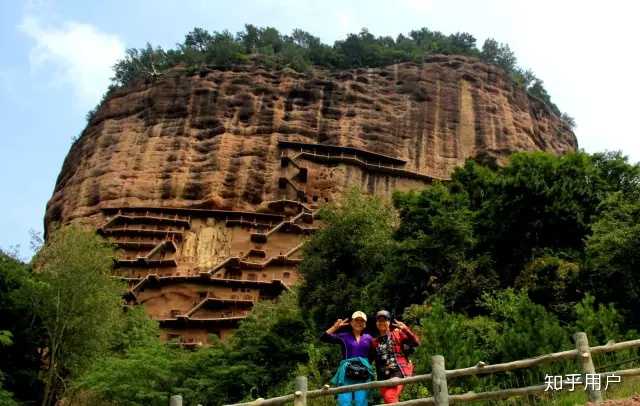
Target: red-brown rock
(273, 143)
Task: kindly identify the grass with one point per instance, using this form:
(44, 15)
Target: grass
(623, 390)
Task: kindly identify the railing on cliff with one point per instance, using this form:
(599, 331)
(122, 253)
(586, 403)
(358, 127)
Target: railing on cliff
(336, 150)
(367, 160)
(439, 378)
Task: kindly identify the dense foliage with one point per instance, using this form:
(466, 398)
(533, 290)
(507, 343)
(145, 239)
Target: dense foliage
(59, 317)
(21, 335)
(342, 258)
(78, 302)
(258, 360)
(301, 51)
(499, 264)
(538, 219)
(509, 262)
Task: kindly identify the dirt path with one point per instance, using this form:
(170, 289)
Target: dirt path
(634, 401)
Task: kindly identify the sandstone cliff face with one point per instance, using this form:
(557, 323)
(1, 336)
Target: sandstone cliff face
(208, 183)
(211, 138)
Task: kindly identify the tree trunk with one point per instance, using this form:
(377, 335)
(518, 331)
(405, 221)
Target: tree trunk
(49, 388)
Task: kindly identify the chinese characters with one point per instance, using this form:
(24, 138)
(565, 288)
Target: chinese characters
(570, 381)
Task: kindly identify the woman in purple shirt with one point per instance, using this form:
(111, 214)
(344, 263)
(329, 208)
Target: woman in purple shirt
(354, 344)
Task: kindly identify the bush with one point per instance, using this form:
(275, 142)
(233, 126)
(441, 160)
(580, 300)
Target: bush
(601, 323)
(526, 329)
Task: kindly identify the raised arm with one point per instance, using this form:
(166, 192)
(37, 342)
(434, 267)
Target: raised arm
(330, 336)
(406, 334)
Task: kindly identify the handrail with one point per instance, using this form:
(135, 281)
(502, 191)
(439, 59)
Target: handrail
(369, 166)
(338, 149)
(507, 393)
(479, 369)
(482, 369)
(197, 212)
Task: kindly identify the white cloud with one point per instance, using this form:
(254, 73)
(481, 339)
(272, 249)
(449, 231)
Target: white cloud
(75, 54)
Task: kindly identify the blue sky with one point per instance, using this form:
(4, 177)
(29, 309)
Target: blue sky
(57, 55)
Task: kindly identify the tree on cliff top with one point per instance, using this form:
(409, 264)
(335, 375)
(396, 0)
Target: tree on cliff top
(301, 50)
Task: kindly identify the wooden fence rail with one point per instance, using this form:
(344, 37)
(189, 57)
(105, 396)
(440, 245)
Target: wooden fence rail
(439, 377)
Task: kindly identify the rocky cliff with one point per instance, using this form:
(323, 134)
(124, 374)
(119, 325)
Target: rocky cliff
(210, 138)
(209, 181)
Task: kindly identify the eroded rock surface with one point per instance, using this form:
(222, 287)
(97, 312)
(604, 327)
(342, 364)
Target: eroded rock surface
(211, 138)
(208, 182)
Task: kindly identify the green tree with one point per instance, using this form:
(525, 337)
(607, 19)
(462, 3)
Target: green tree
(21, 334)
(199, 40)
(358, 50)
(267, 47)
(493, 227)
(294, 57)
(463, 340)
(273, 340)
(259, 359)
(133, 329)
(146, 375)
(523, 77)
(223, 50)
(342, 257)
(617, 174)
(538, 90)
(78, 301)
(538, 202)
(601, 323)
(303, 39)
(568, 120)
(498, 54)
(6, 397)
(613, 255)
(463, 43)
(513, 327)
(136, 369)
(433, 254)
(552, 281)
(525, 328)
(140, 64)
(249, 38)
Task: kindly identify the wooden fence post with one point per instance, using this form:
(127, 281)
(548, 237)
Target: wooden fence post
(586, 363)
(440, 391)
(176, 400)
(300, 394)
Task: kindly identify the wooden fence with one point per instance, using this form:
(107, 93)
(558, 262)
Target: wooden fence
(439, 377)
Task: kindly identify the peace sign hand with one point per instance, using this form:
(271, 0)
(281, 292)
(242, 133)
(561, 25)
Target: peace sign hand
(337, 325)
(399, 324)
(341, 323)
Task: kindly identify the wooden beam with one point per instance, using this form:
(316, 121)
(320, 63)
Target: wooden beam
(440, 391)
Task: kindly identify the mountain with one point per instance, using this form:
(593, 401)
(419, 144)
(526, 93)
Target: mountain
(208, 179)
